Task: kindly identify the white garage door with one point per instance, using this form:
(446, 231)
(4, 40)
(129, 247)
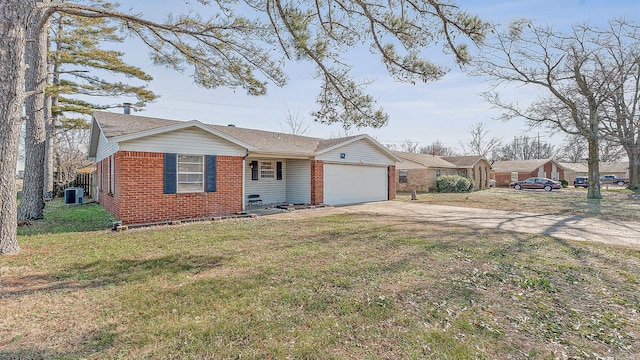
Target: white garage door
(348, 184)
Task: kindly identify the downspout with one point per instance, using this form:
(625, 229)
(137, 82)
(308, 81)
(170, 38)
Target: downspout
(244, 163)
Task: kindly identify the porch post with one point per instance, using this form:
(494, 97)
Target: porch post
(244, 198)
(317, 182)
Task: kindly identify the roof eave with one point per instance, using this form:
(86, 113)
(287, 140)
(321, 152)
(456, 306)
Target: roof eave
(94, 138)
(179, 126)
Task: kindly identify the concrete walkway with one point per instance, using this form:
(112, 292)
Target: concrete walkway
(564, 227)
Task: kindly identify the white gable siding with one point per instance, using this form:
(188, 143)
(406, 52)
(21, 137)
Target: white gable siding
(298, 181)
(105, 148)
(184, 141)
(271, 191)
(361, 151)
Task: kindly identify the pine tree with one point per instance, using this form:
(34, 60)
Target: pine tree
(76, 62)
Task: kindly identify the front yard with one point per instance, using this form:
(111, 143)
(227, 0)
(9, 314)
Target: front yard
(616, 204)
(331, 287)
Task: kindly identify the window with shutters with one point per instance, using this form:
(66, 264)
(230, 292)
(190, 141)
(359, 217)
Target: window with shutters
(190, 173)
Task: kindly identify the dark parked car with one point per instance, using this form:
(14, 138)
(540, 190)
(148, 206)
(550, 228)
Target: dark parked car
(536, 183)
(581, 181)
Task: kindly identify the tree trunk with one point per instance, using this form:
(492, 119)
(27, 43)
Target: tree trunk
(32, 203)
(48, 157)
(593, 191)
(634, 168)
(13, 16)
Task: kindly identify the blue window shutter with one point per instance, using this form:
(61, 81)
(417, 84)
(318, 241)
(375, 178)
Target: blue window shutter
(170, 173)
(210, 170)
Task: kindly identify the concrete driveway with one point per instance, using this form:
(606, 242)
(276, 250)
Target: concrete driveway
(564, 227)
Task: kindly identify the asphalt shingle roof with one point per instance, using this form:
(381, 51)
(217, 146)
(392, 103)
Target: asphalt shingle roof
(577, 167)
(620, 167)
(425, 159)
(463, 161)
(519, 165)
(115, 124)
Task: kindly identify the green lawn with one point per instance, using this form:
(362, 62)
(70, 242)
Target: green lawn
(61, 218)
(330, 288)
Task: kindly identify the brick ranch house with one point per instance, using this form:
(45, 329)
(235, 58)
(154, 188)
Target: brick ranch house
(505, 172)
(154, 170)
(420, 172)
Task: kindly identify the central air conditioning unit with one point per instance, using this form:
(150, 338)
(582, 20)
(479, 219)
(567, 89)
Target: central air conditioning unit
(73, 195)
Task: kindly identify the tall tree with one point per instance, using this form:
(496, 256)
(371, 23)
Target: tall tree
(32, 204)
(70, 154)
(237, 51)
(564, 67)
(437, 148)
(479, 143)
(620, 44)
(294, 125)
(13, 32)
(575, 150)
(78, 65)
(409, 146)
(526, 148)
(75, 61)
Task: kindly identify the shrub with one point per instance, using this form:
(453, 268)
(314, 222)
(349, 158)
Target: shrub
(455, 183)
(564, 183)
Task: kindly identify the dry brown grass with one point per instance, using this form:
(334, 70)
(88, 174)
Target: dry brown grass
(615, 205)
(349, 286)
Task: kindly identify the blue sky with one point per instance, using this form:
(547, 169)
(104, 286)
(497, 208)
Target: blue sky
(424, 113)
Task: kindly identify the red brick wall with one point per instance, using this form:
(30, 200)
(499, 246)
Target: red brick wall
(139, 184)
(317, 182)
(503, 179)
(107, 199)
(392, 182)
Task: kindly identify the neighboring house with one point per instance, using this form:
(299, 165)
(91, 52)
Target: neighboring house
(420, 171)
(154, 170)
(477, 167)
(505, 172)
(574, 169)
(618, 168)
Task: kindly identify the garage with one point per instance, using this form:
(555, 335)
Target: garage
(349, 184)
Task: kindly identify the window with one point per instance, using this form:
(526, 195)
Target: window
(266, 170)
(190, 173)
(402, 176)
(279, 170)
(100, 174)
(110, 174)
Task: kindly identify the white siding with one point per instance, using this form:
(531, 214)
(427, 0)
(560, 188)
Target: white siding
(105, 148)
(184, 141)
(271, 191)
(298, 181)
(359, 152)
